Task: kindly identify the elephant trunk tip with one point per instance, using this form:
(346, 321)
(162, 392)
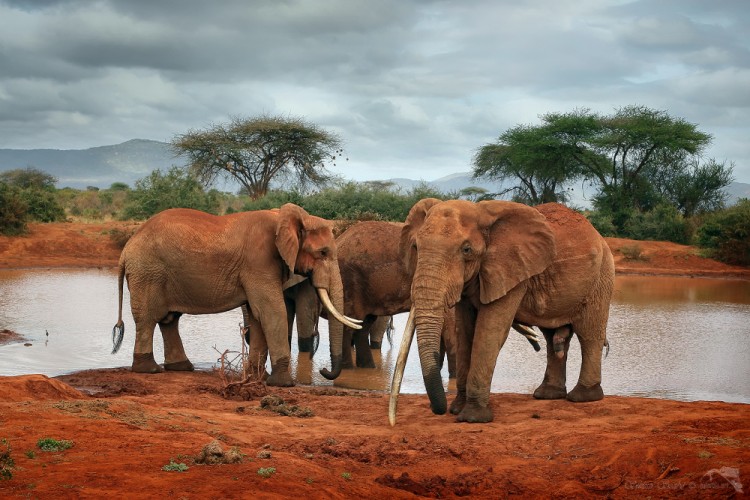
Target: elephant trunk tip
(335, 369)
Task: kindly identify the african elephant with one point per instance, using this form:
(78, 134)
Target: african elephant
(184, 261)
(496, 261)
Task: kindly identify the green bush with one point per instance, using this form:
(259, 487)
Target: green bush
(12, 210)
(353, 200)
(663, 223)
(602, 222)
(42, 205)
(175, 189)
(726, 234)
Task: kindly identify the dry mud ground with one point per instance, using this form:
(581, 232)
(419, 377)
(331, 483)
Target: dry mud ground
(126, 427)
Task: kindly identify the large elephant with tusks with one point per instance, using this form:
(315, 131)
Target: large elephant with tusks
(497, 262)
(184, 261)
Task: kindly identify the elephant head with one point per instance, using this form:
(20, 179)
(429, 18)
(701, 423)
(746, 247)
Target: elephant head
(459, 250)
(307, 246)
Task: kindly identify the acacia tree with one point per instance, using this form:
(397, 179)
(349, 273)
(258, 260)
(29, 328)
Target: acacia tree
(256, 151)
(539, 158)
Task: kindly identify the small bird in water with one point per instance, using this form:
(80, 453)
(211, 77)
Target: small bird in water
(46, 333)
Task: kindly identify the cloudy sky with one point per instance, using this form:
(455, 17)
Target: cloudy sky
(413, 88)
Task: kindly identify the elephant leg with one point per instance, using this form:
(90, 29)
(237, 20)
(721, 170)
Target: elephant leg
(558, 343)
(362, 344)
(490, 332)
(346, 349)
(273, 327)
(290, 312)
(589, 386)
(175, 358)
(465, 319)
(448, 343)
(143, 353)
(257, 349)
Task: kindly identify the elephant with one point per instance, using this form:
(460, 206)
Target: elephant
(184, 261)
(381, 327)
(496, 262)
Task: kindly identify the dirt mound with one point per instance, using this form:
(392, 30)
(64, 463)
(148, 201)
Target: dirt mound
(35, 388)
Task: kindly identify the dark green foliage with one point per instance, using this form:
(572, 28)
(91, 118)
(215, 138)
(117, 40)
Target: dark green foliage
(175, 189)
(29, 178)
(602, 222)
(42, 205)
(663, 223)
(726, 234)
(362, 201)
(7, 464)
(12, 210)
(273, 199)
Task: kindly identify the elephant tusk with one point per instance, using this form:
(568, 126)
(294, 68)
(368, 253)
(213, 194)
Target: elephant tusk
(398, 371)
(525, 331)
(326, 300)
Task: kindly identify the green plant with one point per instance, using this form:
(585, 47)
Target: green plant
(30, 454)
(173, 466)
(726, 234)
(7, 464)
(347, 475)
(51, 444)
(266, 471)
(12, 210)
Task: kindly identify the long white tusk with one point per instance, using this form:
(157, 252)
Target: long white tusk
(326, 300)
(398, 371)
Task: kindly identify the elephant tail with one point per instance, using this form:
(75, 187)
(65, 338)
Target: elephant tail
(118, 331)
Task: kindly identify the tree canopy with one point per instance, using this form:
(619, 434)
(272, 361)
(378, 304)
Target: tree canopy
(637, 158)
(256, 151)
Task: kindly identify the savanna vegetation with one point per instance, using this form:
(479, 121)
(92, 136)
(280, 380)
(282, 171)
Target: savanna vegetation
(646, 167)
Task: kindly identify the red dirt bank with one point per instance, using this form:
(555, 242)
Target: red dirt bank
(126, 427)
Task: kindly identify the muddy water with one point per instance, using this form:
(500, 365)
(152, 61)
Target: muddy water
(677, 338)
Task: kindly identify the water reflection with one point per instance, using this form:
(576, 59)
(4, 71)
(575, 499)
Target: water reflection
(677, 338)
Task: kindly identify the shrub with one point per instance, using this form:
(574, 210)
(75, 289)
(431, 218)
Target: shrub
(726, 234)
(633, 252)
(42, 205)
(175, 189)
(173, 466)
(663, 223)
(50, 444)
(602, 222)
(12, 210)
(7, 464)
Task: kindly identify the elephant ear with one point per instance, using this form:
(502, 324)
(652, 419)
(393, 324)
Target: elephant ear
(520, 245)
(289, 233)
(413, 222)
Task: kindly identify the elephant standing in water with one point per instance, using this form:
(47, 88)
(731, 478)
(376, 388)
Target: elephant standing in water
(184, 261)
(496, 262)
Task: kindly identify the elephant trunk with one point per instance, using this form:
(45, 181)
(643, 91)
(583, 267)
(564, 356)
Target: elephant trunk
(428, 300)
(335, 326)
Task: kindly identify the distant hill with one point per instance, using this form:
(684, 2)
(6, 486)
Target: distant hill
(99, 166)
(134, 159)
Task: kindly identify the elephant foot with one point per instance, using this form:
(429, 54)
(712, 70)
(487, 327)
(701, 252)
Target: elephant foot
(180, 366)
(375, 344)
(365, 363)
(305, 344)
(546, 391)
(458, 404)
(475, 413)
(582, 394)
(145, 363)
(280, 376)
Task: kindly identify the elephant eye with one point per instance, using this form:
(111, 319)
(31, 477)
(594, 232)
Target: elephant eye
(324, 252)
(466, 250)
